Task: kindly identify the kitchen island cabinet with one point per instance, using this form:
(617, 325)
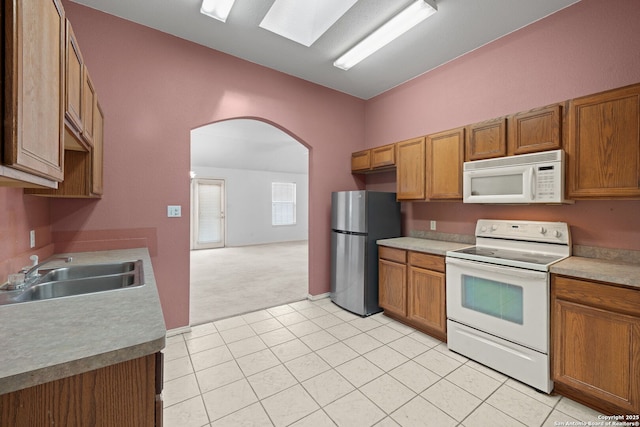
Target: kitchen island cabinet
(596, 343)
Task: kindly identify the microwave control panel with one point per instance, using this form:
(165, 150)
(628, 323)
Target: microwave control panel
(546, 182)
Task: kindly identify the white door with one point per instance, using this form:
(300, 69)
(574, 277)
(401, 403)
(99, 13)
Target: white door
(208, 213)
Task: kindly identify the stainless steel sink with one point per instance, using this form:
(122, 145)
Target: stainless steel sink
(78, 280)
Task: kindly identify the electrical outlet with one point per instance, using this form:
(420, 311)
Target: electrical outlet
(174, 211)
(433, 225)
(32, 238)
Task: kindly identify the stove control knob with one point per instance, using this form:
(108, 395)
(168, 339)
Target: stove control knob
(542, 230)
(494, 227)
(483, 229)
(557, 233)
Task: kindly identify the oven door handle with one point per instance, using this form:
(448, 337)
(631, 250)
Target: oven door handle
(505, 270)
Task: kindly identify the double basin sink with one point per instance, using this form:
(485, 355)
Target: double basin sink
(77, 280)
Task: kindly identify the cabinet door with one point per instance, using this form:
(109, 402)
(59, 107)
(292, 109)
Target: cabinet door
(33, 81)
(383, 157)
(603, 145)
(392, 285)
(426, 303)
(75, 81)
(97, 152)
(486, 140)
(535, 130)
(361, 161)
(410, 173)
(89, 100)
(445, 155)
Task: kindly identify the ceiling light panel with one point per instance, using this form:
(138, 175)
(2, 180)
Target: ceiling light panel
(304, 21)
(218, 9)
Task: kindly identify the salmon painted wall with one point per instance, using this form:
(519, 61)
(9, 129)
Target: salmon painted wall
(586, 48)
(154, 88)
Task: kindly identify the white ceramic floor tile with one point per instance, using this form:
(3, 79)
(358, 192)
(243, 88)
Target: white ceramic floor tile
(208, 358)
(385, 334)
(327, 321)
(229, 323)
(318, 340)
(354, 409)
(266, 325)
(365, 323)
(408, 346)
(290, 350)
(228, 399)
(280, 310)
(498, 376)
(475, 382)
(425, 339)
(237, 334)
(359, 371)
(519, 406)
(253, 415)
(304, 328)
(557, 418)
(345, 315)
(205, 342)
(547, 399)
(451, 399)
(179, 390)
(420, 413)
(313, 312)
(277, 336)
(174, 339)
(362, 343)
(332, 308)
(190, 413)
(291, 318)
(271, 381)
(317, 419)
(175, 351)
(400, 327)
(218, 376)
(576, 410)
(246, 346)
(258, 361)
(200, 330)
(442, 348)
(256, 316)
(327, 387)
(437, 362)
(386, 358)
(415, 376)
(289, 406)
(302, 305)
(343, 331)
(388, 393)
(307, 366)
(487, 415)
(177, 368)
(381, 318)
(336, 354)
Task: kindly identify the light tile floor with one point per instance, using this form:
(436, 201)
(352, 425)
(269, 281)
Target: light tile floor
(314, 364)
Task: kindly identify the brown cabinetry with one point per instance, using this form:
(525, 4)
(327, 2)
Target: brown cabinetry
(33, 78)
(412, 289)
(124, 394)
(374, 160)
(75, 81)
(535, 130)
(410, 169)
(486, 139)
(596, 344)
(361, 161)
(603, 145)
(444, 159)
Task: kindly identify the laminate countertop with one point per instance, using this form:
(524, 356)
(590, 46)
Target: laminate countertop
(616, 272)
(435, 247)
(47, 340)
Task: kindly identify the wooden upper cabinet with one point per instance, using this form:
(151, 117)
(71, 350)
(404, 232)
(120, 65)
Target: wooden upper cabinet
(383, 157)
(603, 145)
(75, 81)
(33, 79)
(535, 130)
(97, 157)
(89, 100)
(445, 156)
(486, 140)
(410, 169)
(361, 161)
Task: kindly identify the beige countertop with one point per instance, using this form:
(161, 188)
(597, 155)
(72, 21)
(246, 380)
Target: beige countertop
(617, 272)
(46, 340)
(435, 247)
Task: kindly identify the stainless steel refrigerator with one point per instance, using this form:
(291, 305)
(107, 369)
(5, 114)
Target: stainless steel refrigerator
(358, 220)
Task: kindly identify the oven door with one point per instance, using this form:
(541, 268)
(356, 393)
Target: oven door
(507, 302)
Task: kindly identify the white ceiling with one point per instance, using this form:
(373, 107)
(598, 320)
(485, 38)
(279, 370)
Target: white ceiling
(459, 26)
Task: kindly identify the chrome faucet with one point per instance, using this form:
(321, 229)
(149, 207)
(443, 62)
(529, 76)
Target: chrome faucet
(33, 271)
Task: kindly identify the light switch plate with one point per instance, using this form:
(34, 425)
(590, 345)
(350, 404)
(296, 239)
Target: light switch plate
(32, 238)
(433, 225)
(174, 211)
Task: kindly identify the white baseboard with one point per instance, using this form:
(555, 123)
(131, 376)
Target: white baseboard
(319, 296)
(178, 331)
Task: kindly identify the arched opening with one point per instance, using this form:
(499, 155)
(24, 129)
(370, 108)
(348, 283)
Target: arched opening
(249, 219)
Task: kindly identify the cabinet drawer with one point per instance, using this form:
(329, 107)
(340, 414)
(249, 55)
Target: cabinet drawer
(430, 262)
(618, 299)
(392, 254)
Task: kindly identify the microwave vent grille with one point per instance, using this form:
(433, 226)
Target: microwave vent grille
(547, 156)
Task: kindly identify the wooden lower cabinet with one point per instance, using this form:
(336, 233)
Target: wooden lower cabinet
(596, 344)
(124, 394)
(413, 291)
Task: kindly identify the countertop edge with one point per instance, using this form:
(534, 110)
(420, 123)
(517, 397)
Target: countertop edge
(602, 270)
(434, 247)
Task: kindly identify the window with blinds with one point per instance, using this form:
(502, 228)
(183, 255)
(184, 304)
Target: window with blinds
(283, 203)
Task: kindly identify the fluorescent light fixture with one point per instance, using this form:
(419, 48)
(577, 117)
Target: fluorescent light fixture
(415, 13)
(304, 21)
(217, 9)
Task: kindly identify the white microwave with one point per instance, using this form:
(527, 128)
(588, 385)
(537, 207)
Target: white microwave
(526, 178)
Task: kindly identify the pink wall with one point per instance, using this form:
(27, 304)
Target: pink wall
(586, 48)
(154, 88)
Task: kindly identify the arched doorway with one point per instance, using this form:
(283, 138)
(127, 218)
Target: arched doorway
(250, 192)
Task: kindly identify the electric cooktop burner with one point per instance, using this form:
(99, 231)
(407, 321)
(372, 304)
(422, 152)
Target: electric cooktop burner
(506, 254)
